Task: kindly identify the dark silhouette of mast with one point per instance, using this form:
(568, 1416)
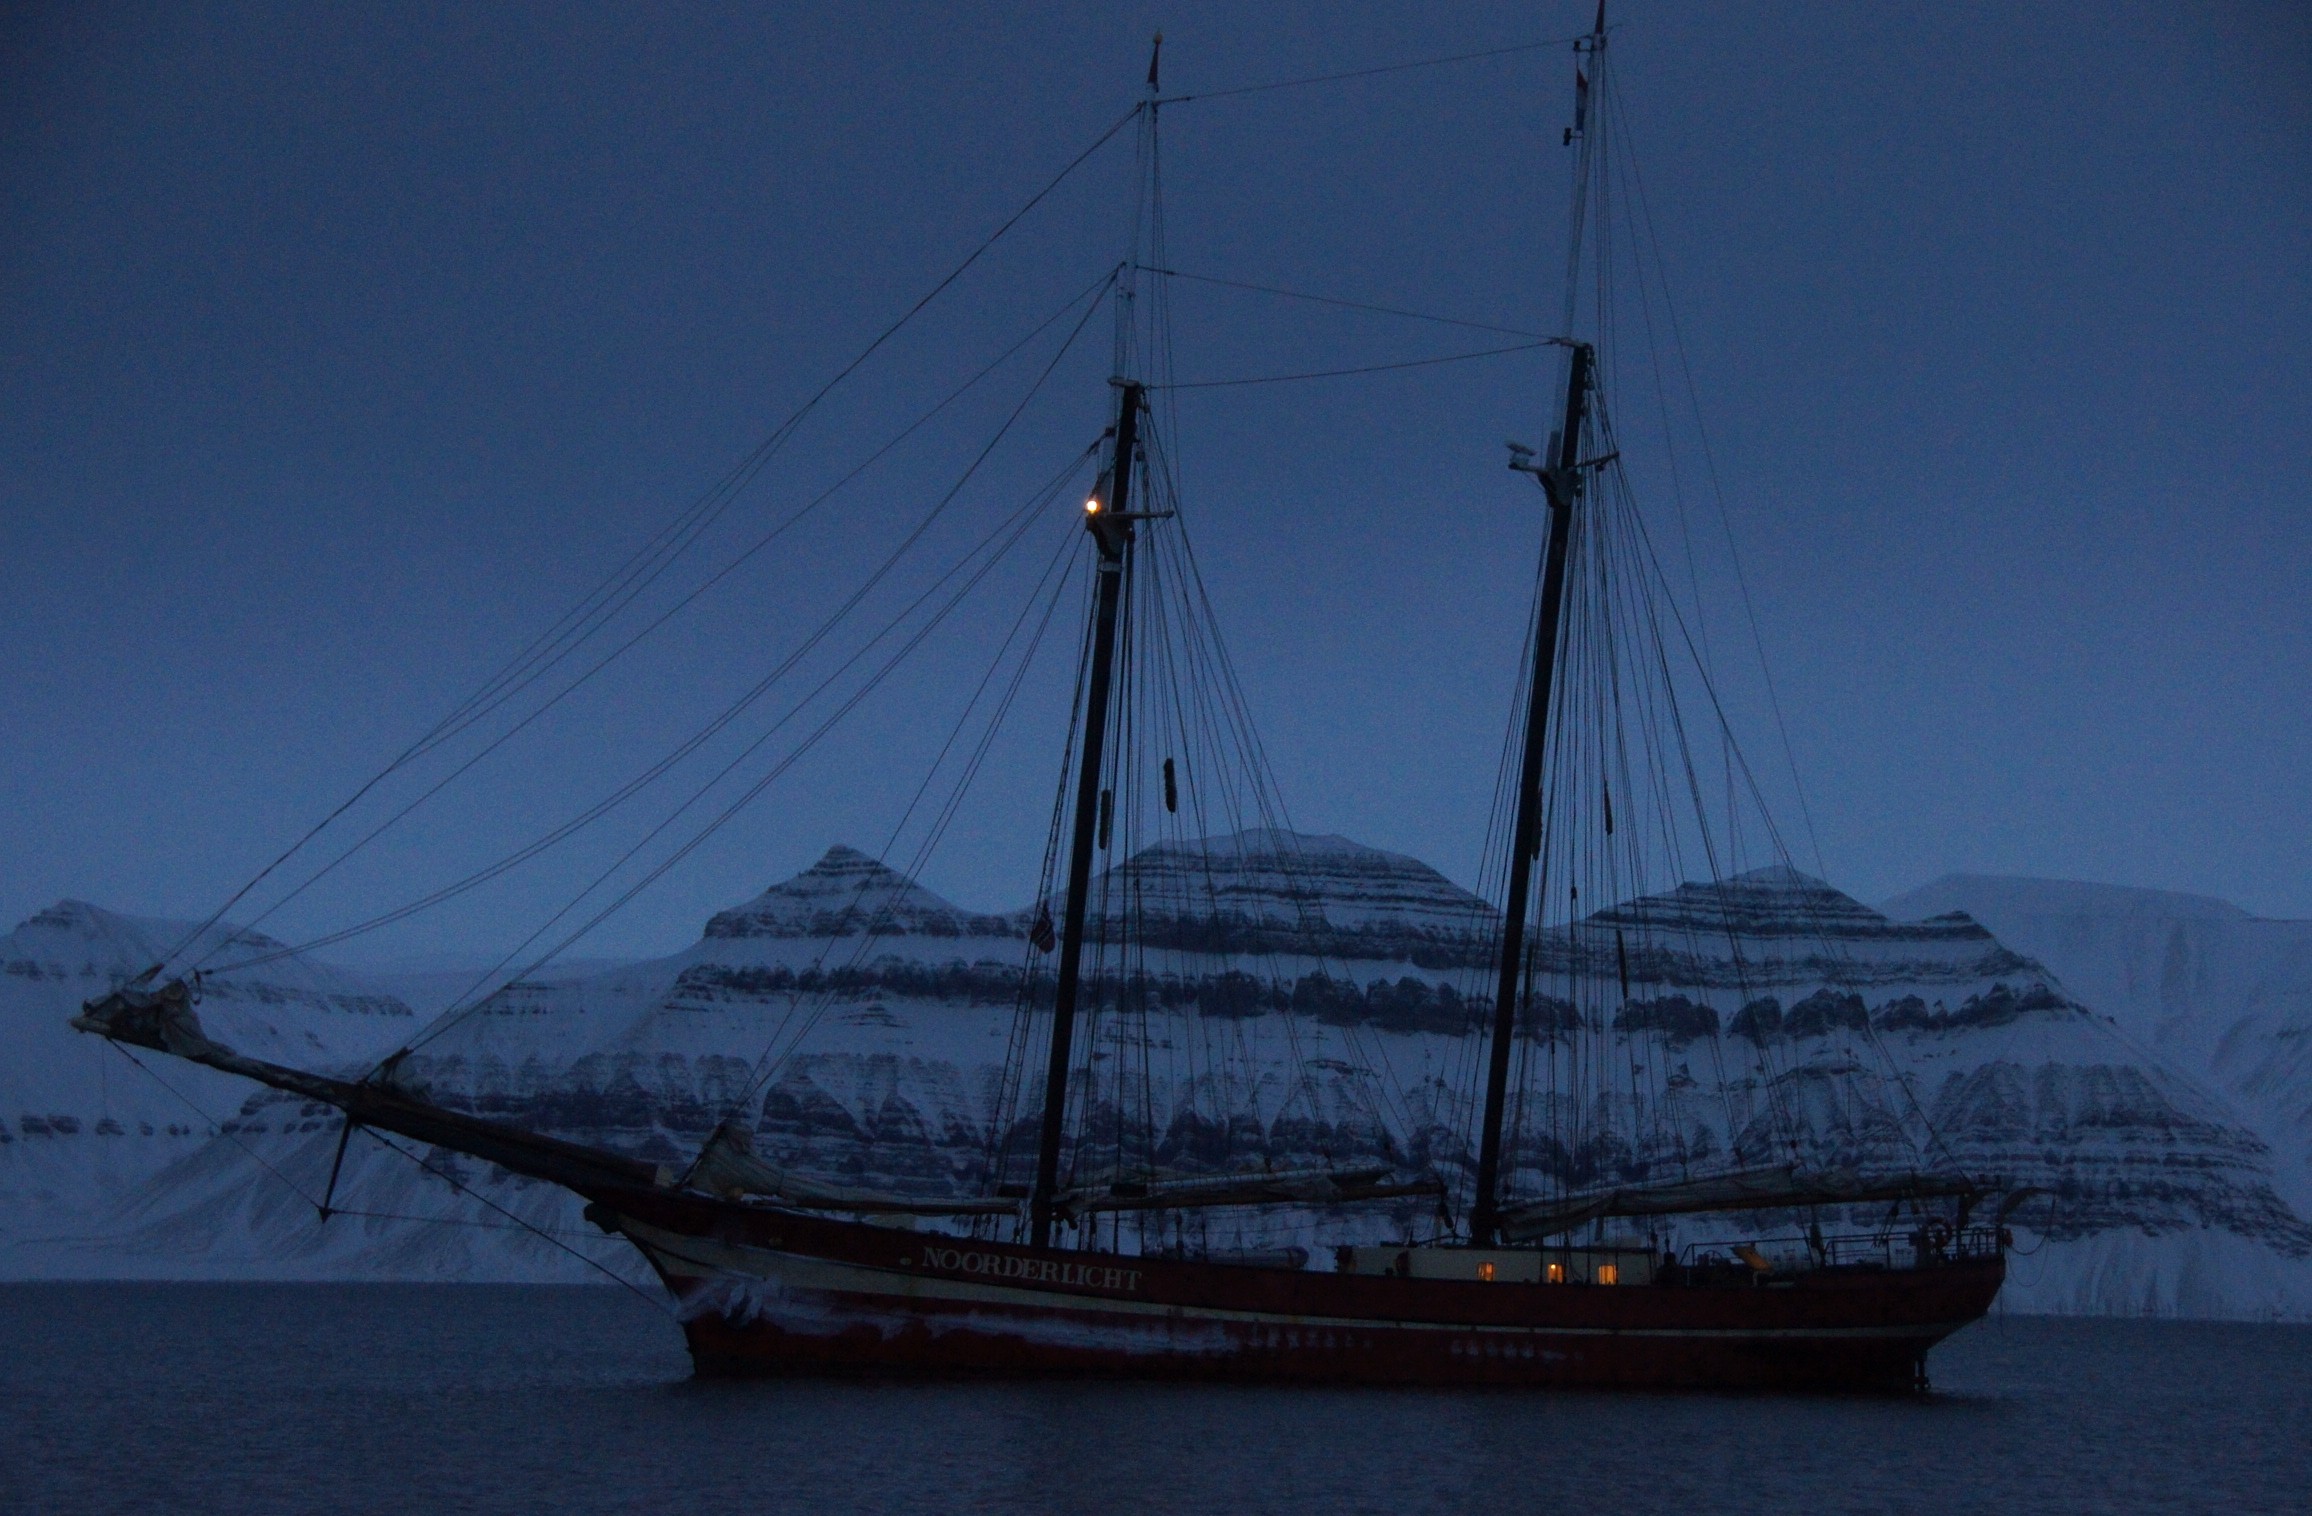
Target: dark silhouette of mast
(1110, 523)
(1561, 479)
(1560, 476)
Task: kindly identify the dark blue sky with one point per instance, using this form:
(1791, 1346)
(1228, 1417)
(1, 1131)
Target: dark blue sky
(341, 348)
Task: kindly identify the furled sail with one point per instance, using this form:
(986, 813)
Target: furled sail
(729, 1167)
(1310, 1186)
(1760, 1189)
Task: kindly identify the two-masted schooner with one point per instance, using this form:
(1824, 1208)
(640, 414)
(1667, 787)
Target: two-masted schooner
(1541, 1250)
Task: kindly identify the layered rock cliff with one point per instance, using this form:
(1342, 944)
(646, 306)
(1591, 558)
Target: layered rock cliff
(2220, 995)
(1307, 1001)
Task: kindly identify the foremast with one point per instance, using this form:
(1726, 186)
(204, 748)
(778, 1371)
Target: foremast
(1108, 517)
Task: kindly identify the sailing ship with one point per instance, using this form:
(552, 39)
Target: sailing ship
(1537, 1246)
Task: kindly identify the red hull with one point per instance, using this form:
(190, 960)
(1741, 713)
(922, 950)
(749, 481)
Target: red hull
(776, 1292)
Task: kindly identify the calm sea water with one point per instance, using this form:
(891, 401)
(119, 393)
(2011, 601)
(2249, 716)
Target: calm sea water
(269, 1399)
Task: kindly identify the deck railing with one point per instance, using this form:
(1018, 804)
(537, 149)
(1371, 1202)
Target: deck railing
(1796, 1252)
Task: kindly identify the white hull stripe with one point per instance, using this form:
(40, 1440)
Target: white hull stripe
(699, 1258)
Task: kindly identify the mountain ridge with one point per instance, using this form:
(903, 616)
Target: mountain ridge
(2223, 993)
(2165, 1196)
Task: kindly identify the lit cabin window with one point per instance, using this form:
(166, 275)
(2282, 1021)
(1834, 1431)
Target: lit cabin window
(1608, 1274)
(1557, 1273)
(1485, 1272)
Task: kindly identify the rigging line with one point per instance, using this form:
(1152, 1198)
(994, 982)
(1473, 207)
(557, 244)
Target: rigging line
(1152, 683)
(827, 627)
(540, 1232)
(1613, 766)
(1003, 705)
(691, 744)
(1778, 1111)
(743, 473)
(1465, 1063)
(1372, 368)
(767, 1065)
(457, 718)
(475, 1222)
(1717, 709)
(1237, 712)
(299, 1190)
(1662, 403)
(1353, 305)
(1163, 717)
(1233, 766)
(456, 1016)
(1163, 480)
(1841, 972)
(1820, 929)
(1021, 1037)
(634, 786)
(993, 237)
(820, 499)
(453, 1017)
(234, 1137)
(1718, 494)
(747, 469)
(1176, 729)
(978, 756)
(1203, 641)
(1642, 232)
(590, 617)
(1636, 598)
(1368, 73)
(1049, 880)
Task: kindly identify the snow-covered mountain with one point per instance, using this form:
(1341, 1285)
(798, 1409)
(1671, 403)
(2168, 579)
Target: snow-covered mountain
(2221, 994)
(863, 1024)
(83, 1131)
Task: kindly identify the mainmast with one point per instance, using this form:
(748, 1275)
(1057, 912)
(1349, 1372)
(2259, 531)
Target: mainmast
(1560, 475)
(1109, 521)
(1561, 480)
